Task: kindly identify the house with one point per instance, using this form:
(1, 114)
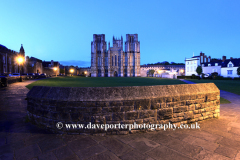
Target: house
(229, 67)
(224, 67)
(50, 66)
(34, 65)
(191, 64)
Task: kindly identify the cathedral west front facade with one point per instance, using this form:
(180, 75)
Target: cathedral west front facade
(114, 61)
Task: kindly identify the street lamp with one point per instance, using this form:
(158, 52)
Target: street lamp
(159, 72)
(182, 71)
(85, 73)
(20, 61)
(71, 71)
(55, 69)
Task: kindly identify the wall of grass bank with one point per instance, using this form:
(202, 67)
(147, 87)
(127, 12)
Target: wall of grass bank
(185, 103)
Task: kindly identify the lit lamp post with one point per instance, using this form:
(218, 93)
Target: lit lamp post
(182, 71)
(20, 61)
(71, 71)
(55, 69)
(159, 72)
(85, 73)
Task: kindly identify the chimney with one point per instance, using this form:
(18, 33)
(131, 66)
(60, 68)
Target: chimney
(209, 58)
(224, 58)
(231, 57)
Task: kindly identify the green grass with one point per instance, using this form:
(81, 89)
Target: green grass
(226, 85)
(224, 101)
(76, 81)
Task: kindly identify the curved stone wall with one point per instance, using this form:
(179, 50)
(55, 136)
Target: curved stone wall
(185, 103)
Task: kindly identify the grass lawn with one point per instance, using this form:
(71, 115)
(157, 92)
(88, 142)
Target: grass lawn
(76, 81)
(226, 85)
(224, 101)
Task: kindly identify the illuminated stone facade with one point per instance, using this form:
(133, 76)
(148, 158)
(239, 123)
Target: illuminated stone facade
(114, 61)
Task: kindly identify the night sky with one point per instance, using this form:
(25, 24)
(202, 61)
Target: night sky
(167, 30)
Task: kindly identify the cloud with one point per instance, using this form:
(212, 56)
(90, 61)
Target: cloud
(76, 63)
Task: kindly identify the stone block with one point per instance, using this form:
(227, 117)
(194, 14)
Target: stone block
(90, 104)
(116, 103)
(188, 115)
(131, 115)
(128, 103)
(184, 108)
(155, 105)
(176, 109)
(127, 108)
(174, 120)
(108, 117)
(196, 111)
(170, 104)
(163, 105)
(149, 120)
(197, 115)
(118, 116)
(65, 116)
(191, 107)
(114, 109)
(165, 113)
(143, 114)
(75, 117)
(139, 121)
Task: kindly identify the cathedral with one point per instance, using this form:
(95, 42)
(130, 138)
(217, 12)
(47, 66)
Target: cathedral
(113, 61)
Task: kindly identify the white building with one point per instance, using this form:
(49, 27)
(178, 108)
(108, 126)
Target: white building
(224, 67)
(163, 71)
(191, 64)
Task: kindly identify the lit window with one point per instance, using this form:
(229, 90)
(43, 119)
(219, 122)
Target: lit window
(229, 72)
(216, 64)
(195, 62)
(230, 65)
(209, 64)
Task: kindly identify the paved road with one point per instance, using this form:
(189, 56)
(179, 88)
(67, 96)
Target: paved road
(217, 139)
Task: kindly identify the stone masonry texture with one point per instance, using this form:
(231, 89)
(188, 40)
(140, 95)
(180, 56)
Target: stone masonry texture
(177, 104)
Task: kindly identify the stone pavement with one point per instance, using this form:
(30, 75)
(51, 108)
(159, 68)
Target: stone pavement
(217, 139)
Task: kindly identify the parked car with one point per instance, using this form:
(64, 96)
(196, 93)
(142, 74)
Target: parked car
(31, 75)
(25, 74)
(43, 75)
(207, 75)
(15, 74)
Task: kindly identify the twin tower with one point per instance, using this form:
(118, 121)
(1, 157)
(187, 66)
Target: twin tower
(114, 62)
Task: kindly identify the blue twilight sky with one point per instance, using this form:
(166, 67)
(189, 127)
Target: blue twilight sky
(62, 30)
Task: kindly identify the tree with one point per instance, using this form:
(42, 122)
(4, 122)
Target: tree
(151, 72)
(199, 71)
(238, 71)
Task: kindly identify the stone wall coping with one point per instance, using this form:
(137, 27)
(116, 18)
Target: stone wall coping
(119, 93)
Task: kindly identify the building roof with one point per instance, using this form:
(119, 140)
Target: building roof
(46, 64)
(236, 62)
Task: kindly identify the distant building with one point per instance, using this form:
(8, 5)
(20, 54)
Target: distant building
(8, 60)
(114, 61)
(48, 67)
(163, 71)
(191, 64)
(85, 71)
(34, 65)
(225, 67)
(71, 70)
